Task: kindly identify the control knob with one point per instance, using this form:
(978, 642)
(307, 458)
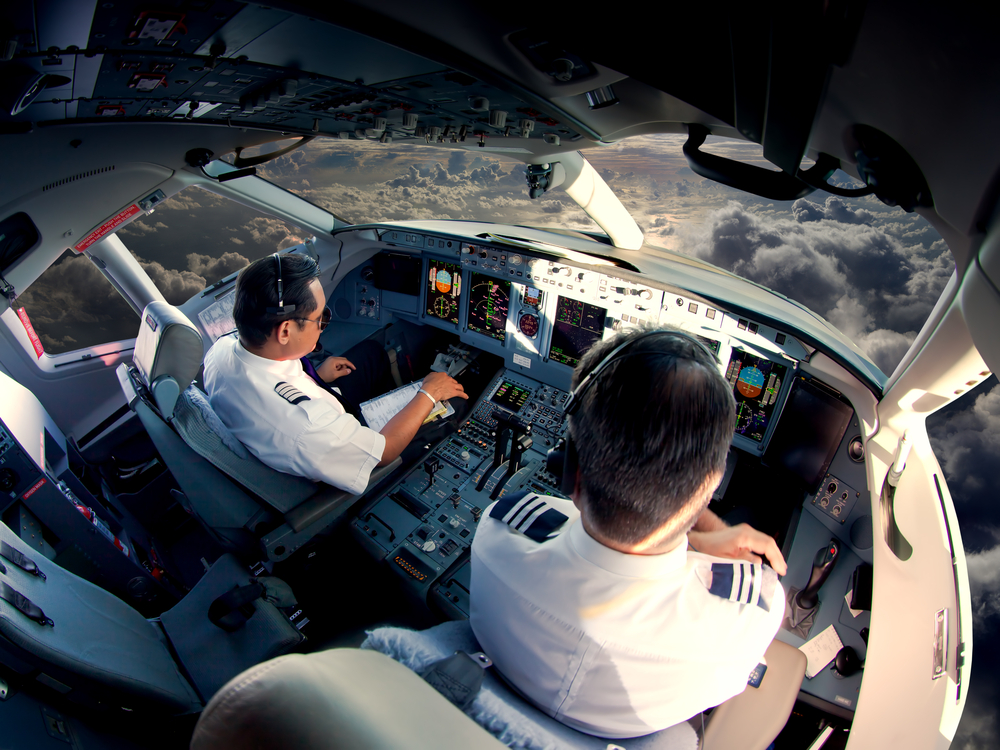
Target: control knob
(429, 546)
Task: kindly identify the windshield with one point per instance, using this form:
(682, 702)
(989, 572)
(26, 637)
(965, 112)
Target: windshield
(872, 271)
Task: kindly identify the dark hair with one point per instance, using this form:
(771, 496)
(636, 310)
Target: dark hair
(652, 428)
(257, 290)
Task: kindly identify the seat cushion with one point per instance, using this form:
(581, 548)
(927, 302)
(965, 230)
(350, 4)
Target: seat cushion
(511, 719)
(211, 655)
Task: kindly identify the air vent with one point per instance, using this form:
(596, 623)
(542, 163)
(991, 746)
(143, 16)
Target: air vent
(76, 177)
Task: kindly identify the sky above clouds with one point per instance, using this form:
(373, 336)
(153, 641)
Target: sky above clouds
(875, 272)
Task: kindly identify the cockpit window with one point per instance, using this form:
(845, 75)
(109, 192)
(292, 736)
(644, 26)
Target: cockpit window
(871, 270)
(195, 238)
(73, 306)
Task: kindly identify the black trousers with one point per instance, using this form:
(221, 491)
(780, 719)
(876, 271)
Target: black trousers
(371, 377)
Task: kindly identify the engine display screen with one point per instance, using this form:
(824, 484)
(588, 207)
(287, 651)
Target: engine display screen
(444, 287)
(489, 302)
(578, 327)
(756, 384)
(511, 396)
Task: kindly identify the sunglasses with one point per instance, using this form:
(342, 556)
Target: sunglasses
(324, 319)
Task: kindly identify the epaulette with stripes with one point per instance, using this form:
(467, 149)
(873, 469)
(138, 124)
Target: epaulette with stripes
(290, 393)
(744, 582)
(528, 514)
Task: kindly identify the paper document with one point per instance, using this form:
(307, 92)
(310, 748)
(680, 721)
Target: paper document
(820, 651)
(379, 411)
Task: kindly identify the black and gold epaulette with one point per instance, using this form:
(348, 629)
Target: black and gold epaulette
(744, 582)
(528, 514)
(290, 393)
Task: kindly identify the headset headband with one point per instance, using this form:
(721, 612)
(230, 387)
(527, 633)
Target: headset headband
(282, 308)
(576, 397)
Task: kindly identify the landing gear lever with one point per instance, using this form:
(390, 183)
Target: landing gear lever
(823, 564)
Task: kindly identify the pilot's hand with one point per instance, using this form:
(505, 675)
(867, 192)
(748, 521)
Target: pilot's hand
(335, 367)
(741, 542)
(441, 386)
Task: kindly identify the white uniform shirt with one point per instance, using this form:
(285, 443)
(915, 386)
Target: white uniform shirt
(611, 644)
(287, 420)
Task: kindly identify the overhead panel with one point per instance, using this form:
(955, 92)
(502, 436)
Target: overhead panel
(304, 44)
(229, 63)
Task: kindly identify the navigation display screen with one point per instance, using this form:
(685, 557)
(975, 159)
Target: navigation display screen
(489, 301)
(444, 287)
(511, 396)
(756, 384)
(578, 327)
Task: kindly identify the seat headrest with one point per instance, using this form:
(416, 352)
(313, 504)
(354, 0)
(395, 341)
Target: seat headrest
(334, 699)
(168, 353)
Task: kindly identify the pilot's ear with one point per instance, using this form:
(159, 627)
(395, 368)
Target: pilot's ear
(283, 332)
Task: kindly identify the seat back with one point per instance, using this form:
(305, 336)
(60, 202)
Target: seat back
(99, 651)
(202, 429)
(168, 354)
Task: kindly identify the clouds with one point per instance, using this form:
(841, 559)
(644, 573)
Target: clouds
(868, 283)
(966, 439)
(835, 209)
(72, 305)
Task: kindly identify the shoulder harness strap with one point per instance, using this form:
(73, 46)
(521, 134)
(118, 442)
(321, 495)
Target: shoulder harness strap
(24, 605)
(290, 393)
(529, 514)
(744, 582)
(14, 557)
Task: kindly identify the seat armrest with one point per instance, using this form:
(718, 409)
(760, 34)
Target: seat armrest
(752, 719)
(125, 381)
(329, 499)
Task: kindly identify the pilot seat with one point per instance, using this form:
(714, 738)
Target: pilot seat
(373, 697)
(65, 633)
(248, 507)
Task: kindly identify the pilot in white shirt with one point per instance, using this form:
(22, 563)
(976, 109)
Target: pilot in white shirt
(594, 609)
(287, 420)
(292, 422)
(614, 644)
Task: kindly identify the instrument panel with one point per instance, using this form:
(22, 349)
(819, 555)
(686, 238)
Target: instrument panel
(542, 315)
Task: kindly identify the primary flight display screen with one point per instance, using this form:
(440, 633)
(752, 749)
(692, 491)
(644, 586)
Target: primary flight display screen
(444, 287)
(756, 384)
(578, 327)
(511, 396)
(489, 302)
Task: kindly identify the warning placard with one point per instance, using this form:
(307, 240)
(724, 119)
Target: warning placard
(107, 227)
(36, 342)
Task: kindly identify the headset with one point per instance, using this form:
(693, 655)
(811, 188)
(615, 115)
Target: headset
(562, 460)
(282, 308)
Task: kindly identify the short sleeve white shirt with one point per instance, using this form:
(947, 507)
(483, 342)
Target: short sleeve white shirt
(613, 644)
(287, 420)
